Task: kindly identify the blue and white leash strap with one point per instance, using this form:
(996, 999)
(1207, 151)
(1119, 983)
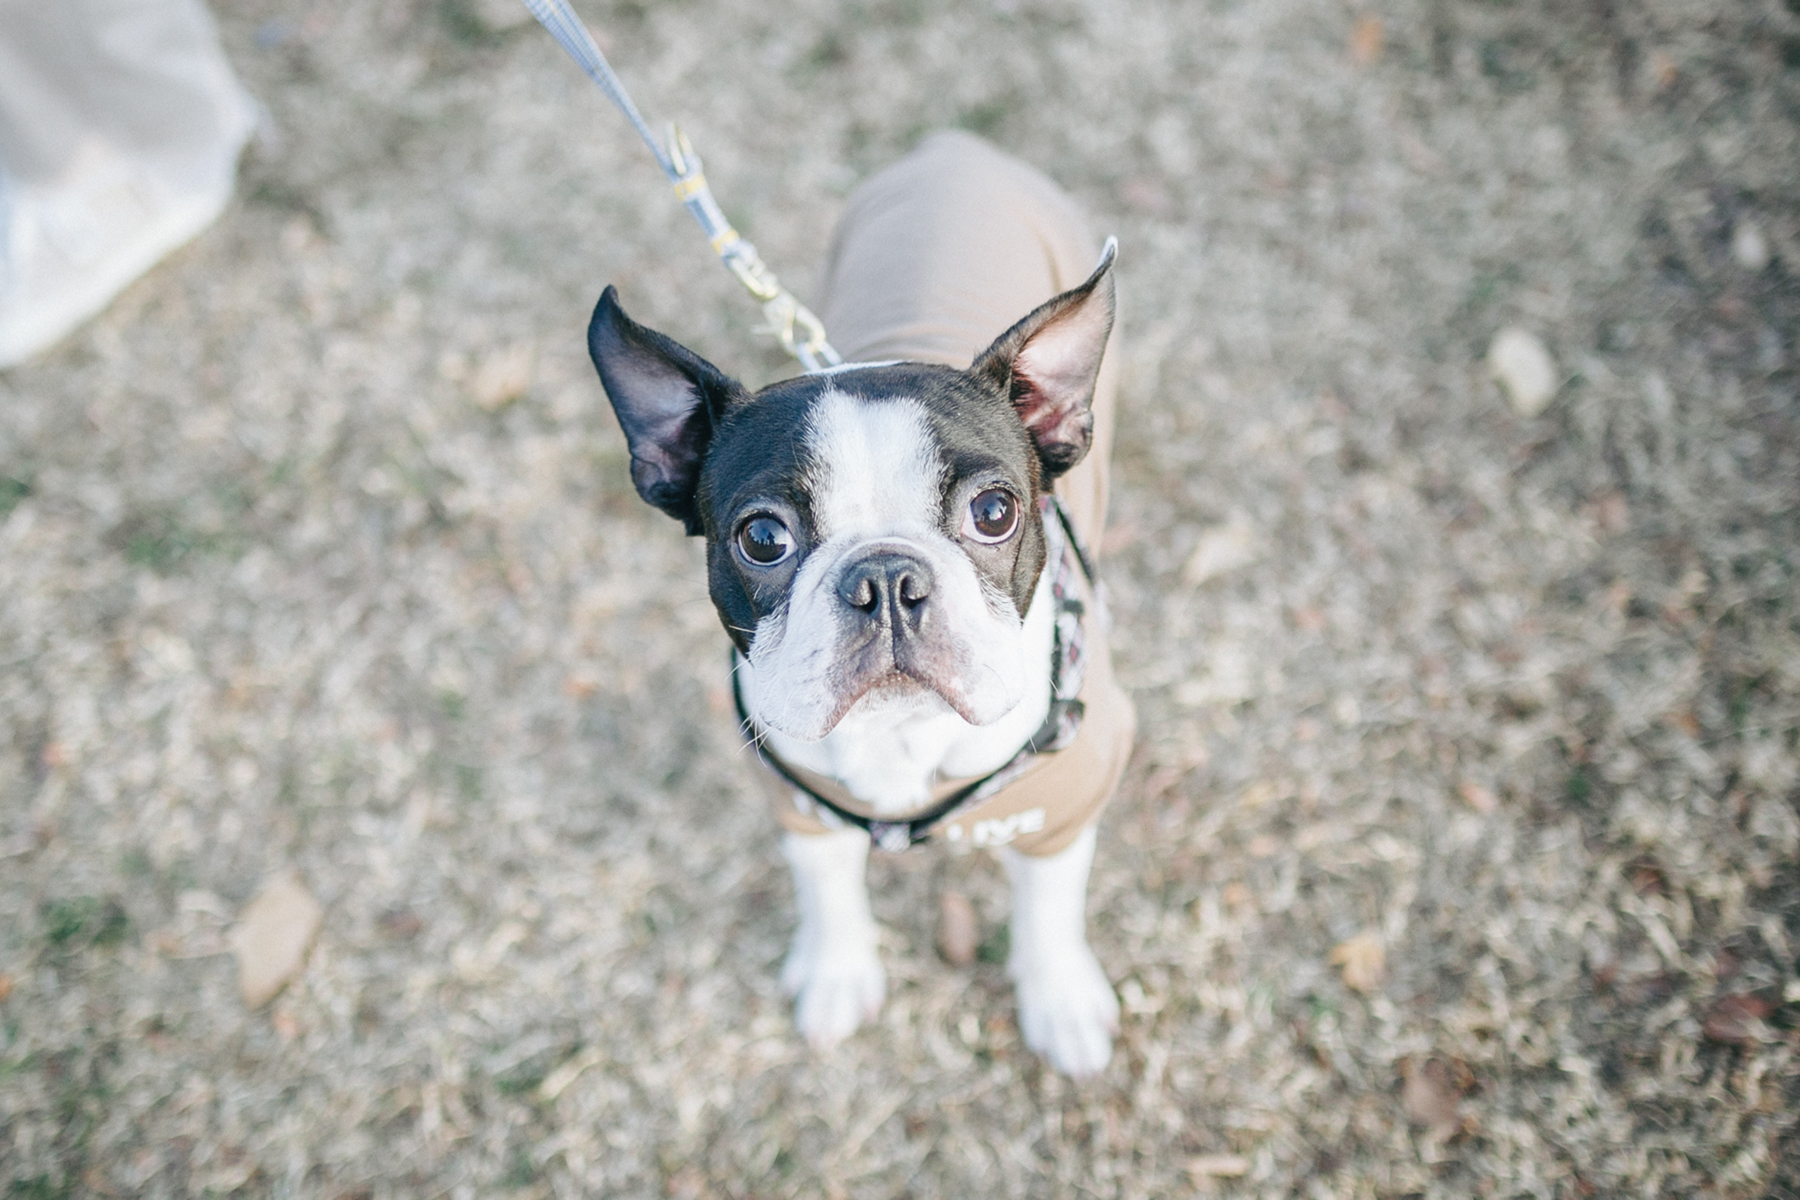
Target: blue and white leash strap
(800, 332)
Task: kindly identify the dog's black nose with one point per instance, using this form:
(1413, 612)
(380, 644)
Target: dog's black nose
(887, 588)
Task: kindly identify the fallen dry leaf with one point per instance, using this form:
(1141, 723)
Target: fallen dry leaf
(1260, 793)
(1366, 41)
(503, 376)
(558, 1081)
(1220, 550)
(1432, 1090)
(958, 931)
(1157, 785)
(1683, 721)
(271, 938)
(1613, 512)
(6, 985)
(1218, 1166)
(1736, 1020)
(1477, 797)
(400, 922)
(687, 1184)
(1147, 195)
(95, 1180)
(1117, 537)
(1663, 71)
(1363, 960)
(1647, 878)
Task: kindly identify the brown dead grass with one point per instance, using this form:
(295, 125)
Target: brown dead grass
(319, 553)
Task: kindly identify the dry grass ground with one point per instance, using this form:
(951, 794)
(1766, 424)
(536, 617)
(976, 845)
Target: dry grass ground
(318, 552)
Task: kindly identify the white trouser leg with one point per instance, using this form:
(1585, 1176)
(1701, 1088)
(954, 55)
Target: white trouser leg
(1067, 1010)
(832, 969)
(120, 127)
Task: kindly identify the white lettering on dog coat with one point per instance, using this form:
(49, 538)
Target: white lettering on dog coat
(997, 831)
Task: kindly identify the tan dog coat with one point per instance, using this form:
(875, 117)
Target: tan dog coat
(934, 258)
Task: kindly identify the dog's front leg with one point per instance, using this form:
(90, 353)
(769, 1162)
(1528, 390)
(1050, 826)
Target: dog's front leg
(1067, 1010)
(832, 969)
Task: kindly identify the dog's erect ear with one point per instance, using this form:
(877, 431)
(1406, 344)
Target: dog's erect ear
(667, 399)
(1049, 361)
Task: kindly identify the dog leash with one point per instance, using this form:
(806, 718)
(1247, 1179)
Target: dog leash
(800, 332)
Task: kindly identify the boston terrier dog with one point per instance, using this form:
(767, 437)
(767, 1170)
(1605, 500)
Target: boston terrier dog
(896, 551)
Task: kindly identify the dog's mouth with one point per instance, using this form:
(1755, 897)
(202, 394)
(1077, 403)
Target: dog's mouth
(892, 692)
(909, 675)
(897, 690)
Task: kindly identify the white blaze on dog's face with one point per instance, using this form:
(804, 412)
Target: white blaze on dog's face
(872, 533)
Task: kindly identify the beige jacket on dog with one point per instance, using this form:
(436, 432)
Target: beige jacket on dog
(935, 257)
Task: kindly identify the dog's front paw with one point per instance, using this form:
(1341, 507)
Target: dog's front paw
(834, 991)
(1067, 1010)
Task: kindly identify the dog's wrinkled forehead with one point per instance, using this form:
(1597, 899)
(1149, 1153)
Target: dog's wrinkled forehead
(868, 448)
(873, 465)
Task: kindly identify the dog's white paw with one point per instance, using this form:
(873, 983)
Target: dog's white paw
(834, 991)
(1067, 1009)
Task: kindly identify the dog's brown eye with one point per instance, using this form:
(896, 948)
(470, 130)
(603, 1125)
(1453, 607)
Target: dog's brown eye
(993, 515)
(764, 541)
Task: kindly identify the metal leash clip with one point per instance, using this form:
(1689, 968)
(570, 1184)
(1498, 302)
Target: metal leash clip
(786, 316)
(800, 332)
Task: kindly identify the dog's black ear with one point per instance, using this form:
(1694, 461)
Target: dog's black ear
(667, 399)
(1049, 362)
